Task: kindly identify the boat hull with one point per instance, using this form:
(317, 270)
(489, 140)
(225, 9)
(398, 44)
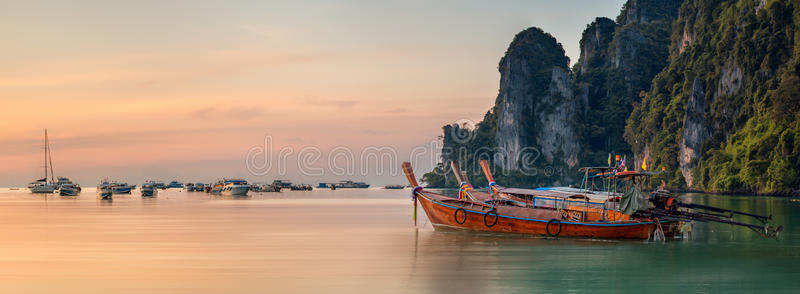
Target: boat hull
(441, 211)
(69, 191)
(149, 192)
(43, 189)
(235, 190)
(121, 190)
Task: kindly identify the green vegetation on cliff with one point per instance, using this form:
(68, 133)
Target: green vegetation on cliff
(743, 61)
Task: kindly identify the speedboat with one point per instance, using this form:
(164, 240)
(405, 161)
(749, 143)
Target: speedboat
(394, 187)
(104, 190)
(69, 189)
(120, 188)
(175, 184)
(149, 190)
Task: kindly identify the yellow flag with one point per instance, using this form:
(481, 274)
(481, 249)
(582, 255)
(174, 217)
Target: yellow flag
(644, 164)
(609, 159)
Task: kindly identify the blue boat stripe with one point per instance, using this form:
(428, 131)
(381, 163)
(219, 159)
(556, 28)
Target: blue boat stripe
(544, 221)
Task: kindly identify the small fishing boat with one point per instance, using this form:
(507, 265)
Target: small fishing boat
(120, 188)
(189, 187)
(394, 187)
(159, 185)
(199, 187)
(69, 189)
(620, 216)
(149, 190)
(175, 184)
(104, 191)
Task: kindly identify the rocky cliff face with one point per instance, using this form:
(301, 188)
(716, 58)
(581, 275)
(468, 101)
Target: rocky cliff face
(535, 102)
(695, 131)
(719, 113)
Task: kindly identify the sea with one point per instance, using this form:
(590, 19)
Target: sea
(361, 241)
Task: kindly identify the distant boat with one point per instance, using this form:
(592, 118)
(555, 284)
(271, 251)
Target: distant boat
(301, 187)
(69, 189)
(344, 184)
(149, 190)
(45, 185)
(189, 187)
(199, 187)
(282, 184)
(235, 187)
(394, 187)
(231, 187)
(159, 185)
(175, 184)
(264, 188)
(104, 190)
(120, 188)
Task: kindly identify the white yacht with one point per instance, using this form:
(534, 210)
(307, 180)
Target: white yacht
(235, 188)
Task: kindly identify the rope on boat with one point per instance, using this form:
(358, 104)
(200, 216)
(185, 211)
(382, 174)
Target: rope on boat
(658, 234)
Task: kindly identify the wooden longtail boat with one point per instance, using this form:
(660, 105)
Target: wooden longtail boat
(550, 216)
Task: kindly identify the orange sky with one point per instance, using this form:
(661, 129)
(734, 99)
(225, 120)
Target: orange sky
(184, 89)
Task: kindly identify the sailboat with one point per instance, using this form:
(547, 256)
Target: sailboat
(45, 185)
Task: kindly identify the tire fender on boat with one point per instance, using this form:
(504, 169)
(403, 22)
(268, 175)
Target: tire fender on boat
(547, 227)
(496, 217)
(455, 216)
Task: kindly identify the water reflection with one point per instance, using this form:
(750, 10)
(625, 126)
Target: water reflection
(357, 241)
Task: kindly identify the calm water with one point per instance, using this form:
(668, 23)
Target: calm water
(357, 241)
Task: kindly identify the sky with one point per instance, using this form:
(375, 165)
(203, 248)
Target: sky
(191, 90)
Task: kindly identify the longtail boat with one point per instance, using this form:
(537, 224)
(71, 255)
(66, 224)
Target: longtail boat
(562, 213)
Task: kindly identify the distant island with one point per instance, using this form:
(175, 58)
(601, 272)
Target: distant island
(707, 91)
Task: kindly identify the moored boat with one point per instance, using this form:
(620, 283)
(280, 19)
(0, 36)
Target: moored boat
(282, 184)
(45, 185)
(189, 187)
(159, 185)
(344, 184)
(394, 187)
(120, 188)
(175, 184)
(235, 187)
(69, 189)
(149, 190)
(104, 191)
(627, 216)
(554, 217)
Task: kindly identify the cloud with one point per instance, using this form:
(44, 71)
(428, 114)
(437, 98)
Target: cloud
(332, 102)
(231, 113)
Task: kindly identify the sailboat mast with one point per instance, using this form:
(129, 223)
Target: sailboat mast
(45, 155)
(50, 156)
